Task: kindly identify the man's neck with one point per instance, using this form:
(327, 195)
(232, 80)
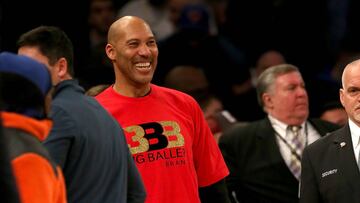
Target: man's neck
(131, 91)
(290, 121)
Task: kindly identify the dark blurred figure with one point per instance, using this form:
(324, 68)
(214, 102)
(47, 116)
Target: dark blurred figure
(334, 112)
(218, 8)
(155, 12)
(193, 45)
(297, 28)
(97, 68)
(188, 79)
(8, 189)
(330, 80)
(218, 119)
(343, 29)
(192, 80)
(43, 12)
(244, 105)
(24, 93)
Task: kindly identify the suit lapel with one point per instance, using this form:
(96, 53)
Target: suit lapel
(343, 147)
(265, 130)
(267, 135)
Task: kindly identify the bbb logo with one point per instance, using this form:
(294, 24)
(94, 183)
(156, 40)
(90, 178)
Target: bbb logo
(153, 136)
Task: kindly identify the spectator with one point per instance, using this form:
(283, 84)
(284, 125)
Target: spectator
(97, 89)
(156, 14)
(166, 131)
(218, 119)
(196, 46)
(264, 156)
(192, 80)
(187, 79)
(97, 68)
(334, 112)
(85, 140)
(24, 86)
(244, 104)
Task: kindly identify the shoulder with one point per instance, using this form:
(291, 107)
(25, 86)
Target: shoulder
(244, 131)
(104, 94)
(23, 144)
(325, 142)
(254, 126)
(172, 95)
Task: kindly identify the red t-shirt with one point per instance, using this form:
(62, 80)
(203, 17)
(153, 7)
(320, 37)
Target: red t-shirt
(170, 141)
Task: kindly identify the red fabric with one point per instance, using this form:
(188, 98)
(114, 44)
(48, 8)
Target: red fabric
(171, 143)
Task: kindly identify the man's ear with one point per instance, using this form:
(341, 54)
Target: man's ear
(341, 95)
(62, 68)
(110, 52)
(267, 100)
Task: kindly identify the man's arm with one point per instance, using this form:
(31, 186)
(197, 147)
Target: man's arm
(216, 192)
(61, 136)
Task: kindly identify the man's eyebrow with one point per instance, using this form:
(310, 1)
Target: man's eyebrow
(353, 88)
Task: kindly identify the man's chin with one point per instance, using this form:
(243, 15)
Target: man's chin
(303, 114)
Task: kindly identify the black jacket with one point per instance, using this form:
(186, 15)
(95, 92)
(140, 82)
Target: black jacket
(258, 172)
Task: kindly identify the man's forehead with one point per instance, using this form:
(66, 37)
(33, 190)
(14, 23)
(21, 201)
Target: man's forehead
(289, 77)
(139, 34)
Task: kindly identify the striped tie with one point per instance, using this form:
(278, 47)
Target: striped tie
(297, 145)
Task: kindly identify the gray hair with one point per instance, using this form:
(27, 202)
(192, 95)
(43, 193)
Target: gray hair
(267, 79)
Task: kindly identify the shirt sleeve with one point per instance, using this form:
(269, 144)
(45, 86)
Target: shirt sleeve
(61, 136)
(209, 163)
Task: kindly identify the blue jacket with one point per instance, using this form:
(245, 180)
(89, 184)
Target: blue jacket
(90, 147)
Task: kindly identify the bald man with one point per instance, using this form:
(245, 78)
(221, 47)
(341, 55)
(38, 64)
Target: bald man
(166, 131)
(330, 170)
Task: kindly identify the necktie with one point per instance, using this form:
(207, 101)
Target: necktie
(297, 147)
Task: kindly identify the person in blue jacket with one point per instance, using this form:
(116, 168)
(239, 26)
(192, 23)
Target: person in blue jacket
(85, 140)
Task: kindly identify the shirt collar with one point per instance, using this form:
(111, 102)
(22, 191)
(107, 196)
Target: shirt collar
(277, 124)
(355, 133)
(281, 127)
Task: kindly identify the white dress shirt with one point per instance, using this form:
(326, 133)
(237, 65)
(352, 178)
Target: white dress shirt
(355, 134)
(307, 133)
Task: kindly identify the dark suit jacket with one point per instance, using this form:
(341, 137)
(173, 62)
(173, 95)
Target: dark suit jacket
(258, 173)
(330, 172)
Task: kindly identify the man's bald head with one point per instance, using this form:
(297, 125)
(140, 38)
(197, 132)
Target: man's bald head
(350, 91)
(117, 29)
(349, 69)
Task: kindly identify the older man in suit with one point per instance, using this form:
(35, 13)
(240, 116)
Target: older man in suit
(264, 156)
(331, 165)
